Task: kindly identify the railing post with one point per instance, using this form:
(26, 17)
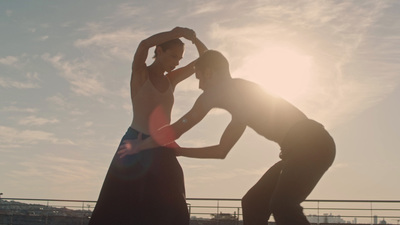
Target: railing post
(238, 213)
(83, 212)
(47, 214)
(190, 209)
(318, 212)
(217, 212)
(371, 213)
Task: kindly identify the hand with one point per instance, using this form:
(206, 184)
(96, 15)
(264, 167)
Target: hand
(130, 147)
(186, 33)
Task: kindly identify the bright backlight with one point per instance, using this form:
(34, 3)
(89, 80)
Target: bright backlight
(279, 70)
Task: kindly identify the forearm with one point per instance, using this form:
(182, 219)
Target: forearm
(201, 47)
(160, 38)
(210, 152)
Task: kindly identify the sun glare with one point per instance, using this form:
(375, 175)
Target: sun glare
(279, 70)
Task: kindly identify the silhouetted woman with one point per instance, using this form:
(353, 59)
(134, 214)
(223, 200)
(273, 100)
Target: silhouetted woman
(148, 188)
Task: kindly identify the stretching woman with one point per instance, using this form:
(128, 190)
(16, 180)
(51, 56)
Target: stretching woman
(148, 188)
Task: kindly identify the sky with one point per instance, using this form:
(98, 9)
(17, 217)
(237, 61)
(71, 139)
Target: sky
(65, 100)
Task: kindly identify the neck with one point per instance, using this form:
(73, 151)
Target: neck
(225, 77)
(156, 69)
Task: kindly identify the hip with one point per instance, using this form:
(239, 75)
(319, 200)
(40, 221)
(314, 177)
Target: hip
(307, 139)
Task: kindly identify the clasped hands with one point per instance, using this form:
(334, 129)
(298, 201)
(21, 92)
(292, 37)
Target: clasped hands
(187, 33)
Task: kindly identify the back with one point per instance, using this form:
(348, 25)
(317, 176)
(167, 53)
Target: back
(268, 115)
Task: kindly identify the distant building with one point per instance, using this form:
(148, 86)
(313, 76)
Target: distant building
(326, 218)
(224, 216)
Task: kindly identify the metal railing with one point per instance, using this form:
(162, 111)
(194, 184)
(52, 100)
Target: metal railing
(21, 211)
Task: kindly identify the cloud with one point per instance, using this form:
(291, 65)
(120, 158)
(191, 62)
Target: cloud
(16, 109)
(206, 7)
(337, 36)
(9, 12)
(33, 120)
(43, 38)
(8, 83)
(59, 100)
(9, 60)
(65, 104)
(11, 137)
(14, 63)
(112, 44)
(83, 80)
(58, 173)
(129, 10)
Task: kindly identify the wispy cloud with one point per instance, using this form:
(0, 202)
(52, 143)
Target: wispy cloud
(129, 10)
(10, 136)
(17, 109)
(112, 44)
(9, 60)
(205, 7)
(83, 80)
(58, 173)
(9, 12)
(16, 65)
(65, 104)
(333, 36)
(43, 38)
(9, 83)
(37, 121)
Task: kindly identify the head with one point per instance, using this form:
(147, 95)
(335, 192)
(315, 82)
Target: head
(169, 53)
(211, 67)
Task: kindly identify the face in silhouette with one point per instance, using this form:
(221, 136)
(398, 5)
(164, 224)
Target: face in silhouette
(170, 57)
(204, 78)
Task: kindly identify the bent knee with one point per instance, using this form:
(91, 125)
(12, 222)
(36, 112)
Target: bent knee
(248, 201)
(282, 207)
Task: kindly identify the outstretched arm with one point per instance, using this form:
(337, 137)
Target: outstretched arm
(168, 134)
(229, 138)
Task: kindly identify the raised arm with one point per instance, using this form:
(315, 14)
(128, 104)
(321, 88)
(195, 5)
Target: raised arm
(182, 73)
(139, 71)
(231, 135)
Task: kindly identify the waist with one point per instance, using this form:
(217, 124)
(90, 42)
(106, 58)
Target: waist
(151, 121)
(133, 133)
(302, 131)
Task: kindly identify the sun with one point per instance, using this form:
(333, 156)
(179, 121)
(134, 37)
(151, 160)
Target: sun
(280, 70)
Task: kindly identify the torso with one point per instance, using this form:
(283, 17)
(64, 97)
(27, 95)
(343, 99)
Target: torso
(152, 105)
(268, 115)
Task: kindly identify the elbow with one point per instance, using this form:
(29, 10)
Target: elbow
(144, 44)
(223, 154)
(223, 150)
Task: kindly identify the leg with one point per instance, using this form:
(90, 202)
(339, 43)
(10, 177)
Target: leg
(309, 151)
(122, 191)
(165, 194)
(255, 203)
(298, 178)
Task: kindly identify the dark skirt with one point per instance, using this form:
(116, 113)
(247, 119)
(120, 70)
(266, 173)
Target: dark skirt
(142, 189)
